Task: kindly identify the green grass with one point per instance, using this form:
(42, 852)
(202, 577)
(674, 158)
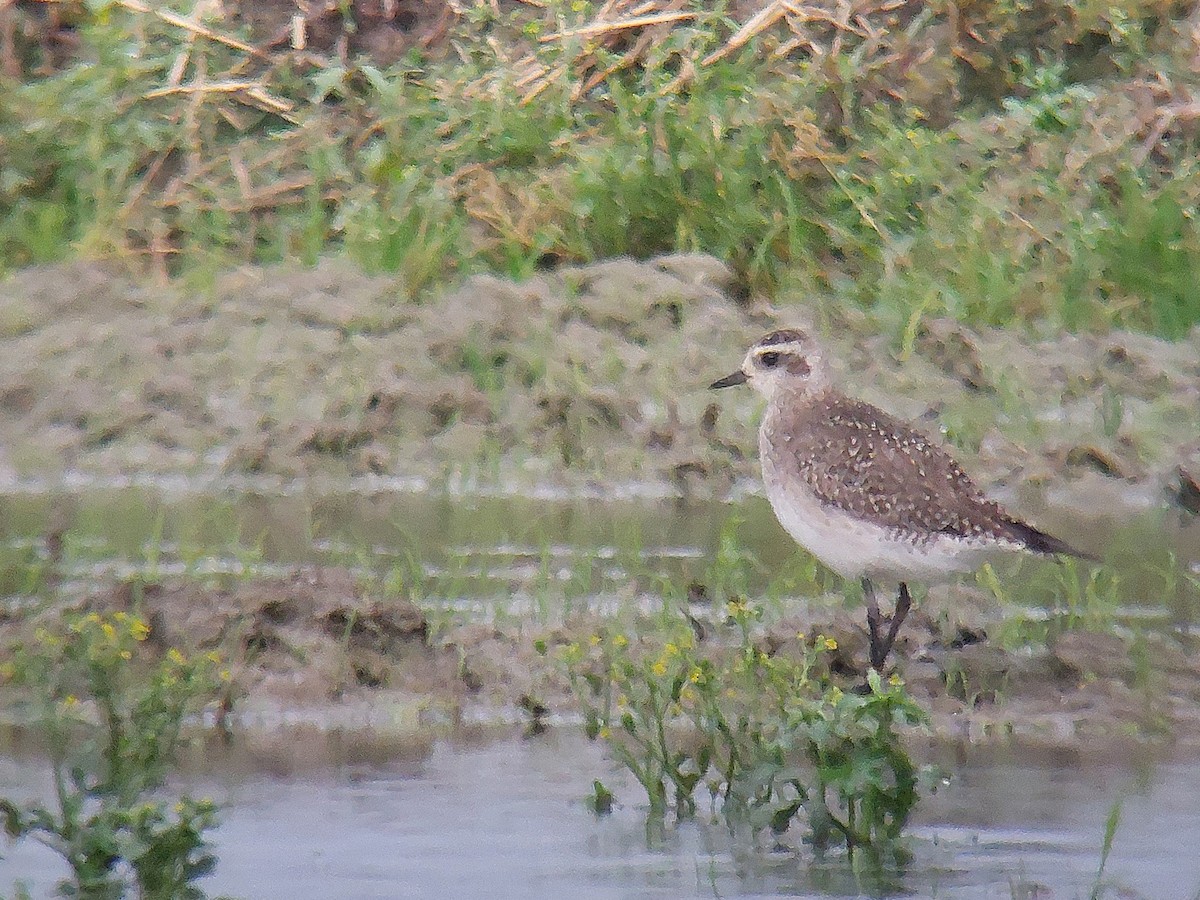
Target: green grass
(999, 181)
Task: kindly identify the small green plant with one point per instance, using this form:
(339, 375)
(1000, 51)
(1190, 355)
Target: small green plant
(1091, 602)
(728, 575)
(112, 716)
(771, 736)
(1099, 886)
(1077, 598)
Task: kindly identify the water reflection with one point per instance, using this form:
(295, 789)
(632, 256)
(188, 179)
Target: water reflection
(506, 819)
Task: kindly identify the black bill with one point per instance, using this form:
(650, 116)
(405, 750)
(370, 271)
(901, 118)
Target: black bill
(738, 377)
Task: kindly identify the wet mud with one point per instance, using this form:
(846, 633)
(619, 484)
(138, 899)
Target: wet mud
(314, 648)
(585, 378)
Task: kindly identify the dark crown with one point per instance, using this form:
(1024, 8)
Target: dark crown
(783, 336)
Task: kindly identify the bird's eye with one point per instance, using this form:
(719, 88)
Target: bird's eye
(769, 360)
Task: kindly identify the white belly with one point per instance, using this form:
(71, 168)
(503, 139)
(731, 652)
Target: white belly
(854, 548)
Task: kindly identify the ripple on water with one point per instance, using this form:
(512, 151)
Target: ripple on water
(506, 819)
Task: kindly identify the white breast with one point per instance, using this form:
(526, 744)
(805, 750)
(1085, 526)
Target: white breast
(853, 547)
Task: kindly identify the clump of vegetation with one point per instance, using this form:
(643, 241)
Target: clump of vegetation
(996, 162)
(1073, 597)
(771, 735)
(113, 714)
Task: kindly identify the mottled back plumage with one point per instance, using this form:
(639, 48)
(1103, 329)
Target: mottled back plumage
(865, 462)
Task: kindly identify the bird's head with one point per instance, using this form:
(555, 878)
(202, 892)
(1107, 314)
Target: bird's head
(783, 360)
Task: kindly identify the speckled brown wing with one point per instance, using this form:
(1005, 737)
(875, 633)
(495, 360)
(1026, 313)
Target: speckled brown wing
(859, 459)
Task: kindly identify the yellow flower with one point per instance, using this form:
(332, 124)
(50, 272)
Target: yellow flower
(213, 656)
(799, 635)
(175, 656)
(659, 668)
(70, 701)
(830, 644)
(594, 640)
(139, 629)
(686, 695)
(620, 641)
(225, 675)
(670, 649)
(895, 680)
(606, 732)
(125, 654)
(697, 676)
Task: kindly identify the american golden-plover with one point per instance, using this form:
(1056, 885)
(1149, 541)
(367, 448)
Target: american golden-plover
(867, 494)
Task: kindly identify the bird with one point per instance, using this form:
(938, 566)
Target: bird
(869, 495)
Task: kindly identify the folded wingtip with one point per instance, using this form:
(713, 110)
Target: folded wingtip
(1041, 542)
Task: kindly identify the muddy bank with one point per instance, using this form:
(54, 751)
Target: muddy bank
(582, 378)
(315, 648)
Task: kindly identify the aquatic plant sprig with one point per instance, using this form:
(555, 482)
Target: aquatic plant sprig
(776, 741)
(112, 710)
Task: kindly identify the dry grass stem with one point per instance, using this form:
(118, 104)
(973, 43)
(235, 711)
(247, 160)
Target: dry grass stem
(180, 22)
(599, 28)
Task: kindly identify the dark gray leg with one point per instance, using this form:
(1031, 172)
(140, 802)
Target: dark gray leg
(881, 646)
(874, 621)
(903, 605)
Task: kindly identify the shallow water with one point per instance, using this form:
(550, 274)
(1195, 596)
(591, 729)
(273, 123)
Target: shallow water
(506, 819)
(484, 557)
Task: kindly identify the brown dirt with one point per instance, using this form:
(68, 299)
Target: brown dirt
(38, 37)
(586, 376)
(1083, 690)
(313, 646)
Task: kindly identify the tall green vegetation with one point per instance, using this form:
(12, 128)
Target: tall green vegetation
(998, 162)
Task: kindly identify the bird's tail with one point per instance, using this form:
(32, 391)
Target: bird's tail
(1040, 542)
